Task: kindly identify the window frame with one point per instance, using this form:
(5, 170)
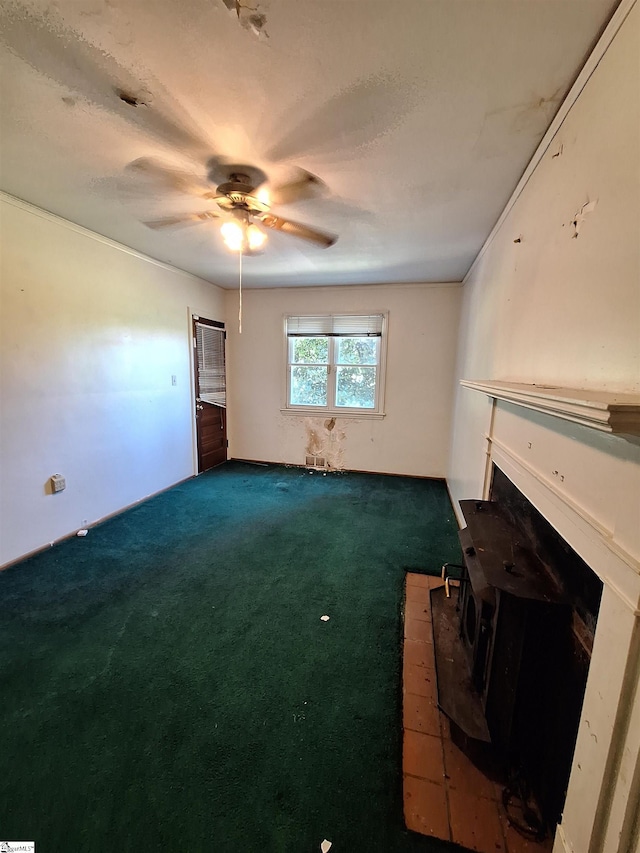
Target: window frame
(331, 409)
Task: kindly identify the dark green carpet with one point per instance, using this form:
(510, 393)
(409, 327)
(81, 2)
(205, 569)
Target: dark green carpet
(167, 683)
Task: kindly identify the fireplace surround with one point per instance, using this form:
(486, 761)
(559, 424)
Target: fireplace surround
(528, 609)
(586, 485)
(513, 649)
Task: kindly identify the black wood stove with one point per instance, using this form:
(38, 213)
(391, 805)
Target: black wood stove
(511, 673)
(512, 613)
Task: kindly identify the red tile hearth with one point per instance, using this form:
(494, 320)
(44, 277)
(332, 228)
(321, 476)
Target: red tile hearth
(445, 795)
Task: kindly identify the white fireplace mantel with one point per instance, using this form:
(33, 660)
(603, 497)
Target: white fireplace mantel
(610, 412)
(588, 488)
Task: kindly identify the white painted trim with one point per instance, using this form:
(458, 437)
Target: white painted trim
(562, 843)
(191, 316)
(616, 21)
(344, 415)
(486, 485)
(93, 235)
(581, 521)
(606, 411)
(431, 285)
(602, 531)
(114, 244)
(455, 506)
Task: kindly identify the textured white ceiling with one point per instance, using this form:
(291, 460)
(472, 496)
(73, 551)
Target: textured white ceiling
(419, 115)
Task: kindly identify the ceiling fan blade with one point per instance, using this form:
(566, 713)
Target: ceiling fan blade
(297, 229)
(179, 221)
(305, 186)
(168, 176)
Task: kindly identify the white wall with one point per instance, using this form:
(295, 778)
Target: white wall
(91, 334)
(557, 310)
(554, 309)
(412, 438)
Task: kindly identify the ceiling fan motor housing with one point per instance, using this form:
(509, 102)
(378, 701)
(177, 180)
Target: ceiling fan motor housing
(237, 194)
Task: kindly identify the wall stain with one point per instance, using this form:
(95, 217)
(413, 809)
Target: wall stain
(325, 440)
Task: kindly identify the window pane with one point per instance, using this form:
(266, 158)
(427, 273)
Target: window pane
(356, 387)
(357, 351)
(308, 386)
(309, 350)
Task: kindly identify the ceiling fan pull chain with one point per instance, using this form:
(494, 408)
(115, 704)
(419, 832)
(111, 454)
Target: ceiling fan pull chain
(240, 280)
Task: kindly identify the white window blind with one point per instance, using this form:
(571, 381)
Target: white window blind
(335, 325)
(211, 366)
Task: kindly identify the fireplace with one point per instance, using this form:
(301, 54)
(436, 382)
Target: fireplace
(581, 470)
(527, 611)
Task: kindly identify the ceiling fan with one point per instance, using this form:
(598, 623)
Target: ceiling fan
(244, 203)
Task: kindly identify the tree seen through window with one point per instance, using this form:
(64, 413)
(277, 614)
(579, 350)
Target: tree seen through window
(338, 372)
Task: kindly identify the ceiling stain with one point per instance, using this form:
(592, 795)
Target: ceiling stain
(499, 126)
(250, 17)
(65, 57)
(531, 105)
(527, 113)
(131, 99)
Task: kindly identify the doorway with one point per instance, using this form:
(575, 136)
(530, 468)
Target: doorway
(210, 392)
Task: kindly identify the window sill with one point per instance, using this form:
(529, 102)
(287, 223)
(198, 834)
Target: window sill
(344, 414)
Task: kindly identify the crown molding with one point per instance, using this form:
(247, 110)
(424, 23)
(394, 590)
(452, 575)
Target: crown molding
(14, 201)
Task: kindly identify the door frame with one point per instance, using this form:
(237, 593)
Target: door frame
(191, 317)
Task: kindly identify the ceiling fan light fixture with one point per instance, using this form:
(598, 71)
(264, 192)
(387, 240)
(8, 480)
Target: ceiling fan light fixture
(242, 237)
(233, 235)
(256, 238)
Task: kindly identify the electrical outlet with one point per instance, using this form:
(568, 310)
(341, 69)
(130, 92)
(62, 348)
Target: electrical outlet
(58, 483)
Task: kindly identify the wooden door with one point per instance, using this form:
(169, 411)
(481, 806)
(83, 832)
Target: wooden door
(210, 392)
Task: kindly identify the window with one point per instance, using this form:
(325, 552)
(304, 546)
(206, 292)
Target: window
(211, 376)
(335, 363)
